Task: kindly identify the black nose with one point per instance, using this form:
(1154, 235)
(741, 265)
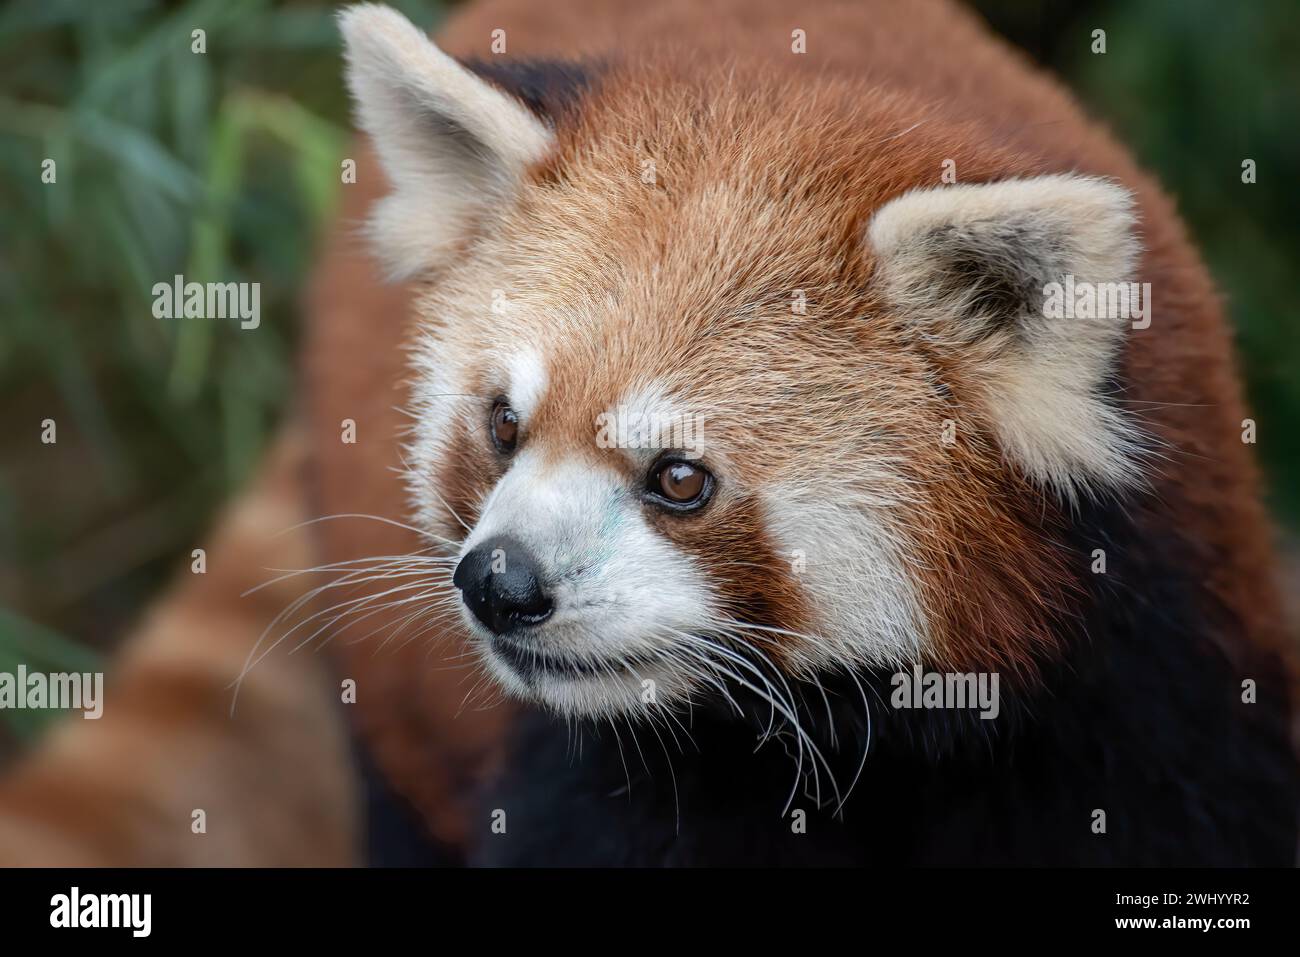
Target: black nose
(498, 581)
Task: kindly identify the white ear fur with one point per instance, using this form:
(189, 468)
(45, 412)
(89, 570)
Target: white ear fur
(970, 263)
(450, 142)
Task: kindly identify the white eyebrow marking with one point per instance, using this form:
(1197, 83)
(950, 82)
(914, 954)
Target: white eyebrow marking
(527, 377)
(648, 420)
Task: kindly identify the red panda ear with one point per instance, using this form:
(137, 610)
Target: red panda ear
(449, 141)
(979, 270)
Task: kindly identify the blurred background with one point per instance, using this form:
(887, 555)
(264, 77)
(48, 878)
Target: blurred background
(225, 166)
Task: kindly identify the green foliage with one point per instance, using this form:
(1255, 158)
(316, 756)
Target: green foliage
(25, 643)
(220, 166)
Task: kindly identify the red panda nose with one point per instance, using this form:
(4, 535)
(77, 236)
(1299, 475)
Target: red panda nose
(499, 582)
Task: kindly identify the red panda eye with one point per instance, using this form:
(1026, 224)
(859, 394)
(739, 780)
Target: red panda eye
(680, 485)
(505, 427)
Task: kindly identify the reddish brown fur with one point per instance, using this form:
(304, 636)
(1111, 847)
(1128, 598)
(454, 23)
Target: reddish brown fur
(994, 581)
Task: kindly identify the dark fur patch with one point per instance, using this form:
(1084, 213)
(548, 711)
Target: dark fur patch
(551, 89)
(998, 269)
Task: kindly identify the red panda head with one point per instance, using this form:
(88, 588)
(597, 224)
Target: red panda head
(715, 378)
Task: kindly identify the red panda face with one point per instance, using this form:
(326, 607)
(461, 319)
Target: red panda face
(703, 396)
(650, 458)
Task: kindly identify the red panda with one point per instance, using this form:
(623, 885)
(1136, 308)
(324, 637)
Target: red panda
(817, 242)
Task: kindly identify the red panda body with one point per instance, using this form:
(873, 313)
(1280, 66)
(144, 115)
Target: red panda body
(902, 467)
